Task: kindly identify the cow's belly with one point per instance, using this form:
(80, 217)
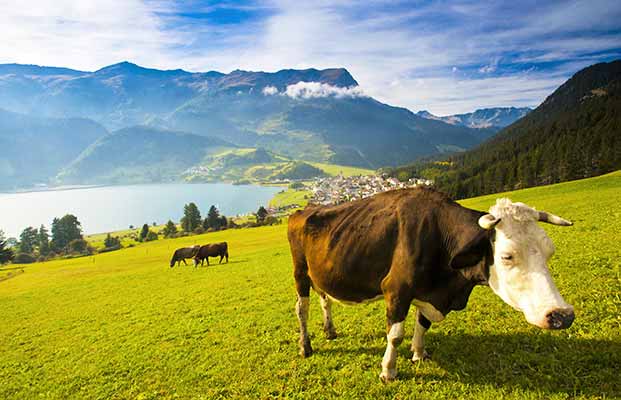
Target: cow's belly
(343, 290)
(353, 303)
(428, 310)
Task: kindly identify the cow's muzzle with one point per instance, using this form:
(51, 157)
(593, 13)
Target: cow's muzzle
(561, 318)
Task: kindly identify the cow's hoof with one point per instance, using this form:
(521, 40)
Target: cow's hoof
(388, 376)
(330, 334)
(420, 356)
(305, 349)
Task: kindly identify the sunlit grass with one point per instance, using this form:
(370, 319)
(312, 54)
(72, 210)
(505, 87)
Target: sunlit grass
(125, 325)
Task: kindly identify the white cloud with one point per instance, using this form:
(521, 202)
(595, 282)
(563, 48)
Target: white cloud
(85, 34)
(270, 90)
(311, 90)
(403, 57)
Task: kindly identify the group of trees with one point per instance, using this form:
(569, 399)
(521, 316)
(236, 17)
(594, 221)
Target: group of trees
(146, 234)
(37, 244)
(192, 222)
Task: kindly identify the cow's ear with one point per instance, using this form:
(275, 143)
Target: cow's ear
(472, 252)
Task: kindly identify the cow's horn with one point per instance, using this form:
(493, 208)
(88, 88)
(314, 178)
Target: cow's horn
(553, 219)
(488, 221)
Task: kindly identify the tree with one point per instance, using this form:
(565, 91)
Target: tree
(191, 217)
(112, 242)
(28, 240)
(6, 253)
(78, 246)
(151, 236)
(261, 214)
(170, 229)
(144, 232)
(43, 240)
(213, 219)
(65, 230)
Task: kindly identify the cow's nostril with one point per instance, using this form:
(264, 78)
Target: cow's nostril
(560, 319)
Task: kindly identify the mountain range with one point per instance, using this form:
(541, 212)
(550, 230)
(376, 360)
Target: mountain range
(575, 133)
(312, 115)
(493, 119)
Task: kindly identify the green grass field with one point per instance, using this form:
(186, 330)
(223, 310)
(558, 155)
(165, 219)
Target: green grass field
(333, 169)
(125, 325)
(291, 196)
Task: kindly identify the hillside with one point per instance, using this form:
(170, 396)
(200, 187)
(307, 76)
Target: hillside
(140, 154)
(313, 115)
(35, 148)
(250, 165)
(575, 133)
(125, 325)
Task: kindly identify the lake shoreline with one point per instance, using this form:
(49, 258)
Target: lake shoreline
(109, 208)
(101, 185)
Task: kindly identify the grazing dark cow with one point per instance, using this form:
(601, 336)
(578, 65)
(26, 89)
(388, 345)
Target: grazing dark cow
(183, 253)
(212, 250)
(416, 246)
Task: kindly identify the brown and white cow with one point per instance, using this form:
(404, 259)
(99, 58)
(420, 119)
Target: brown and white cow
(416, 246)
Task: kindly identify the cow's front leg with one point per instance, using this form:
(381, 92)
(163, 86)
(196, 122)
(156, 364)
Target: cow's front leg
(396, 310)
(418, 340)
(326, 307)
(301, 310)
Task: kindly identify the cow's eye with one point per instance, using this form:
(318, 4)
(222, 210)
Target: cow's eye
(506, 257)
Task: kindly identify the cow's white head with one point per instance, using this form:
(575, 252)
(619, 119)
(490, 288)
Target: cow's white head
(520, 274)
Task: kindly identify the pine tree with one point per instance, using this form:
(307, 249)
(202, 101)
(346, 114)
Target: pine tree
(213, 218)
(64, 231)
(170, 229)
(28, 240)
(144, 232)
(43, 240)
(261, 215)
(6, 253)
(191, 217)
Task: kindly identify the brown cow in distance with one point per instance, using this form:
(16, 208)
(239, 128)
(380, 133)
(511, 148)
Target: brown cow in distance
(417, 246)
(183, 253)
(212, 250)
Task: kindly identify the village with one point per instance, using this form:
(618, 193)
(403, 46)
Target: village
(340, 189)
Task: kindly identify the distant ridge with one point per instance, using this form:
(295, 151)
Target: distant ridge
(316, 115)
(485, 118)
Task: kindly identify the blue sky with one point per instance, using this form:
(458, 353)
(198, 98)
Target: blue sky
(444, 56)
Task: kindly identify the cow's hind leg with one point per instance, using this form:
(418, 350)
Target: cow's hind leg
(397, 307)
(326, 307)
(303, 285)
(418, 340)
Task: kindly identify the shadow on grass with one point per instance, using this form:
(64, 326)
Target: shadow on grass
(11, 268)
(215, 264)
(543, 362)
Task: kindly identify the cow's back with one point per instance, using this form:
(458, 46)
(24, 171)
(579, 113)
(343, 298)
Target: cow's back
(349, 248)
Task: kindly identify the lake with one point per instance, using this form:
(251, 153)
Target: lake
(110, 208)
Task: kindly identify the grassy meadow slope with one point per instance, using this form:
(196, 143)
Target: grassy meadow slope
(125, 325)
